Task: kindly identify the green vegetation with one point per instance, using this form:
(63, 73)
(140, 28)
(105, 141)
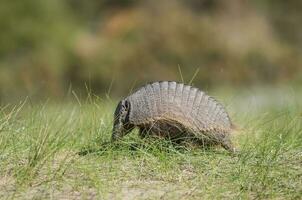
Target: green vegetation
(60, 149)
(52, 151)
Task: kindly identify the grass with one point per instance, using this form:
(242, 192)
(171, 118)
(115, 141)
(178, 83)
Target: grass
(59, 151)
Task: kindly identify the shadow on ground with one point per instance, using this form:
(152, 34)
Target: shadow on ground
(148, 146)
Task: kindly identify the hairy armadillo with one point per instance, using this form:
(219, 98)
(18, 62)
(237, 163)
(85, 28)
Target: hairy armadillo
(175, 111)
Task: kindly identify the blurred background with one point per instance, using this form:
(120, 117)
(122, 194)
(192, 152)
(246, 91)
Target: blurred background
(51, 47)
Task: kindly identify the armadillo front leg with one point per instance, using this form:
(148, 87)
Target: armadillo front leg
(143, 132)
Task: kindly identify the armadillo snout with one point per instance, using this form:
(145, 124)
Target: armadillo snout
(117, 131)
(120, 130)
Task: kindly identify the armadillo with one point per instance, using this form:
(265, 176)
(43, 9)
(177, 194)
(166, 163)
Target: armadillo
(175, 111)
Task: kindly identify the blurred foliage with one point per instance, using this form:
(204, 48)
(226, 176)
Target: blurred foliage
(47, 47)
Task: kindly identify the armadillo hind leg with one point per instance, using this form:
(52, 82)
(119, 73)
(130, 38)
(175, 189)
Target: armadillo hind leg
(228, 145)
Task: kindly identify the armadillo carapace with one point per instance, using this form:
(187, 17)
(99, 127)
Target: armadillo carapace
(175, 111)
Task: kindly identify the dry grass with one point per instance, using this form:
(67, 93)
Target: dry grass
(61, 151)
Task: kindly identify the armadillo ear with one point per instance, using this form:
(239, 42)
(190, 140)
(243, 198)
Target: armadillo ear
(127, 105)
(128, 109)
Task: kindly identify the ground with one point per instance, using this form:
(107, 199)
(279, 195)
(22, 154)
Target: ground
(62, 151)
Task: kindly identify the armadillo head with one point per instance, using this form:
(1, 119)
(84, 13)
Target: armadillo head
(121, 124)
